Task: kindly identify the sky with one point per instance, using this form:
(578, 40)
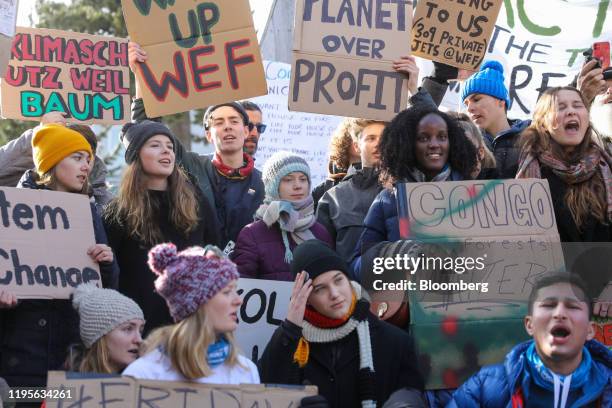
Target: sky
(260, 14)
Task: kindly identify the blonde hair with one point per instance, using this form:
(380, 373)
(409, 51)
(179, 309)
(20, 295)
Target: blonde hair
(134, 206)
(186, 344)
(582, 199)
(97, 358)
(357, 126)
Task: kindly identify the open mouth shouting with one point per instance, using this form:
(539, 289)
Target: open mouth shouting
(560, 334)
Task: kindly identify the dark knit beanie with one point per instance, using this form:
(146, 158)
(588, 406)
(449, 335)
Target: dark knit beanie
(235, 105)
(316, 258)
(135, 135)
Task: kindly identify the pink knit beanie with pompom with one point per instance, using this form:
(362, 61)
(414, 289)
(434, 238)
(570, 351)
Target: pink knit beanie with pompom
(189, 279)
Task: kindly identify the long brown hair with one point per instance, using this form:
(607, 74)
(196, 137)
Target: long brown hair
(584, 198)
(134, 208)
(95, 359)
(186, 344)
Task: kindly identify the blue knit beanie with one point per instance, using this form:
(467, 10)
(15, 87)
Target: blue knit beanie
(277, 167)
(489, 81)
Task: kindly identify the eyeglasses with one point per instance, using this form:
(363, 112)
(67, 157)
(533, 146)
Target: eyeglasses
(260, 127)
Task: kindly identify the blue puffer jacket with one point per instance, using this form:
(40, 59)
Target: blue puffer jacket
(495, 386)
(381, 224)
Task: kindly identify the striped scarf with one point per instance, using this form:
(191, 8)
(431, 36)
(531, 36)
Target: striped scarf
(357, 320)
(595, 160)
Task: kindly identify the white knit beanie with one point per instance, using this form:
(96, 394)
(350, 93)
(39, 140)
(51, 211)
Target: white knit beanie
(101, 310)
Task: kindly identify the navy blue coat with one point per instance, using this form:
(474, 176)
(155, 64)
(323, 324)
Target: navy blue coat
(494, 386)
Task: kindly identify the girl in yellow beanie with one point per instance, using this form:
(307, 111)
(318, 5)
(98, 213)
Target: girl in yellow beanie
(36, 333)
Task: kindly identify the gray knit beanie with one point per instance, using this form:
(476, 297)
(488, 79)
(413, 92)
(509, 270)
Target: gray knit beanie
(277, 167)
(101, 310)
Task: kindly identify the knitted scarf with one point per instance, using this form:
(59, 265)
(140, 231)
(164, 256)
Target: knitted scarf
(234, 174)
(420, 177)
(317, 328)
(559, 384)
(293, 217)
(217, 352)
(595, 160)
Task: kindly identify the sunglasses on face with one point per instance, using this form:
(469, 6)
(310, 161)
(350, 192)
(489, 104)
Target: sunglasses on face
(260, 127)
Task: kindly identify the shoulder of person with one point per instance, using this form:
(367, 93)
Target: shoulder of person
(153, 365)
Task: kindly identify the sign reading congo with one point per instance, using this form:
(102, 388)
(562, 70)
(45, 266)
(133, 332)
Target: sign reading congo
(342, 53)
(44, 237)
(84, 76)
(200, 53)
(454, 32)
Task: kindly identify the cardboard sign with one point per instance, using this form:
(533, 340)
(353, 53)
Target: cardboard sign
(454, 33)
(8, 19)
(264, 307)
(199, 54)
(84, 76)
(509, 227)
(44, 237)
(342, 57)
(90, 390)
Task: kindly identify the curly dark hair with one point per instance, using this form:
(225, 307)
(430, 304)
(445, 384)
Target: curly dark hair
(397, 145)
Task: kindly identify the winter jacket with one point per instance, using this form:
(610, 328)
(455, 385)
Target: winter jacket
(233, 201)
(157, 366)
(592, 230)
(36, 334)
(260, 252)
(498, 386)
(381, 224)
(505, 148)
(136, 279)
(333, 367)
(343, 208)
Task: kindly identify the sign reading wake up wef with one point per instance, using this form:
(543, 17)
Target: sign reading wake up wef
(199, 53)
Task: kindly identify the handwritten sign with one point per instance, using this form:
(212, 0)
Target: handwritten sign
(88, 390)
(8, 18)
(200, 53)
(603, 331)
(342, 53)
(44, 237)
(510, 226)
(264, 307)
(456, 33)
(302, 133)
(83, 76)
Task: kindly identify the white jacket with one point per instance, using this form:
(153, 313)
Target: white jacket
(157, 366)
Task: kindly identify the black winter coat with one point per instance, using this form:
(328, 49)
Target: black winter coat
(334, 367)
(35, 335)
(136, 279)
(505, 148)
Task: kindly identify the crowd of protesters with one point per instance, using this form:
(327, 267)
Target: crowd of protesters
(169, 307)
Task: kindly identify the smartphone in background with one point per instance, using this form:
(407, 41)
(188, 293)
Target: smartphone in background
(601, 51)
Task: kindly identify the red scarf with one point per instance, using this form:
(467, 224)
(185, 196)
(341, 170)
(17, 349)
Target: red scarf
(231, 173)
(323, 322)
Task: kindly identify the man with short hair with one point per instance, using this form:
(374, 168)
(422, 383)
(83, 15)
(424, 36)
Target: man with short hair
(330, 338)
(486, 98)
(343, 207)
(229, 181)
(256, 127)
(562, 366)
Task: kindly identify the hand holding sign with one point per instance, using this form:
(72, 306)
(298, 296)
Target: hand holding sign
(7, 300)
(101, 253)
(299, 297)
(407, 66)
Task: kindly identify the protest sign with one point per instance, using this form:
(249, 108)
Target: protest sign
(603, 331)
(84, 76)
(264, 307)
(499, 237)
(199, 54)
(43, 243)
(90, 390)
(301, 133)
(454, 33)
(8, 19)
(342, 57)
(539, 48)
